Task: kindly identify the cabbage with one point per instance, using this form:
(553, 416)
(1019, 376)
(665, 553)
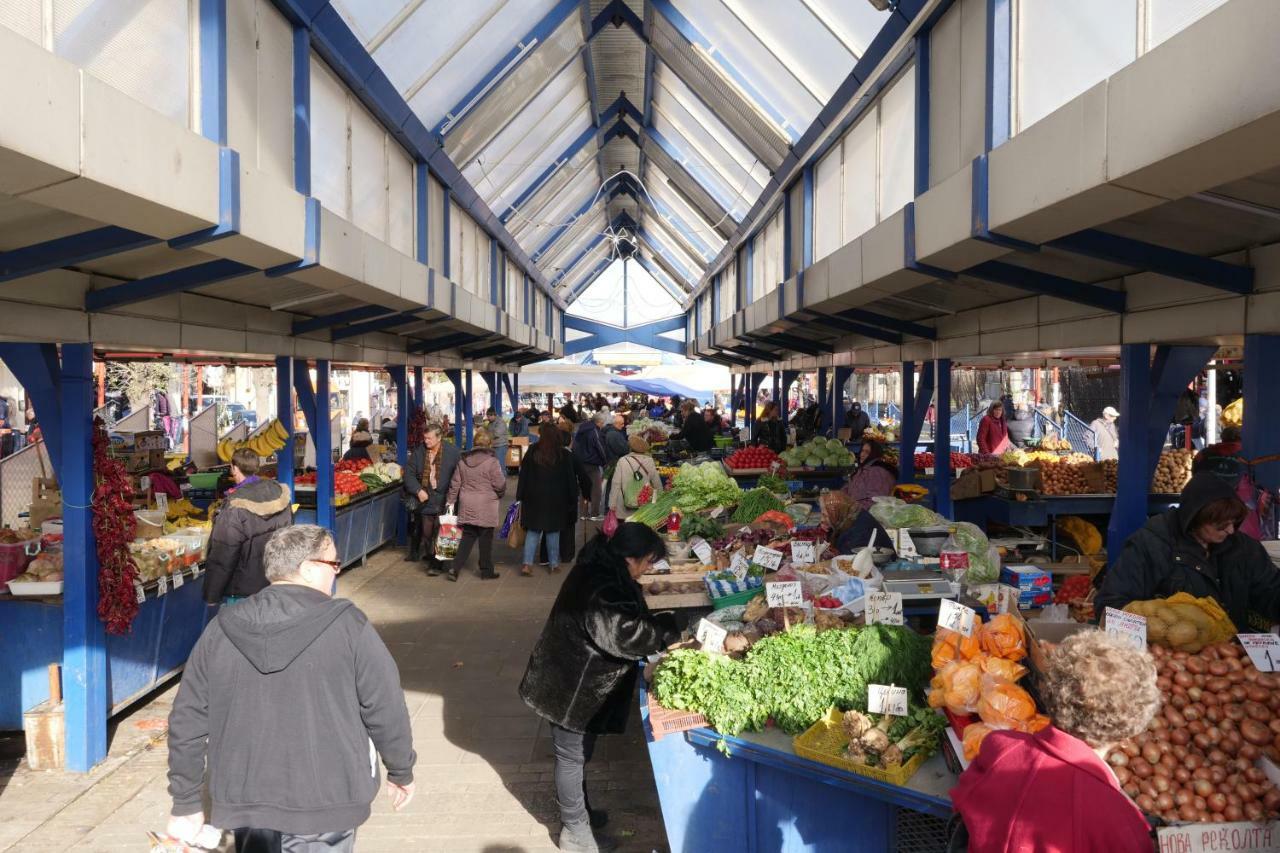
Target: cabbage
(706, 485)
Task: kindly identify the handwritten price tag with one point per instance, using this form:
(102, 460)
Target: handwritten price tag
(162, 502)
(887, 699)
(783, 594)
(956, 617)
(661, 567)
(701, 550)
(803, 553)
(1263, 649)
(139, 592)
(739, 566)
(178, 579)
(767, 557)
(884, 608)
(711, 636)
(163, 586)
(1126, 627)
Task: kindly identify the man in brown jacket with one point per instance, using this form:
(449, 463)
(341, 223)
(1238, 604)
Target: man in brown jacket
(478, 484)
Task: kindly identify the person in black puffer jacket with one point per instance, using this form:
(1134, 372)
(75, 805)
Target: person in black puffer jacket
(1196, 549)
(252, 511)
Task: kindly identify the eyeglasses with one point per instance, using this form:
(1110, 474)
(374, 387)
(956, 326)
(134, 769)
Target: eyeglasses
(333, 564)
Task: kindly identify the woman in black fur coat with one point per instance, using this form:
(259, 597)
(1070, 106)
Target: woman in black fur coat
(582, 673)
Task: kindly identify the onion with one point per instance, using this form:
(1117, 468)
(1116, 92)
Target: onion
(1254, 811)
(1217, 756)
(1161, 782)
(1180, 701)
(1140, 767)
(1183, 679)
(1212, 713)
(1255, 732)
(1191, 712)
(1275, 725)
(1200, 774)
(1151, 753)
(1118, 757)
(1254, 775)
(1147, 804)
(1167, 762)
(1203, 788)
(1180, 737)
(1257, 711)
(1217, 776)
(1182, 774)
(1194, 693)
(1235, 712)
(1195, 665)
(1182, 797)
(1195, 726)
(1194, 760)
(1202, 742)
(1233, 812)
(1245, 793)
(1239, 693)
(1271, 800)
(1218, 668)
(1123, 775)
(1189, 812)
(1217, 685)
(1164, 682)
(1217, 801)
(1131, 749)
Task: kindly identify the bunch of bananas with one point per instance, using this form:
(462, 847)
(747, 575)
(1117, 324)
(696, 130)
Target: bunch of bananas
(266, 442)
(182, 509)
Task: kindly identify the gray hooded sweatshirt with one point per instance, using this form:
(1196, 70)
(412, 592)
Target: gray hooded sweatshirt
(288, 694)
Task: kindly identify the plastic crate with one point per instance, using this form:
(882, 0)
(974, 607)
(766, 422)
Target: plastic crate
(736, 598)
(825, 741)
(723, 589)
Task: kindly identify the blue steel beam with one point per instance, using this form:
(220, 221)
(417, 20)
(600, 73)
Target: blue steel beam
(36, 368)
(329, 321)
(589, 66)
(1046, 284)
(582, 141)
(153, 287)
(228, 205)
(510, 61)
(942, 440)
(213, 70)
(380, 325)
(872, 318)
(1158, 259)
(853, 328)
(616, 13)
(71, 251)
(913, 419)
(443, 343)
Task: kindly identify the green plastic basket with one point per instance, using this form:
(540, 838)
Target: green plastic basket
(723, 441)
(736, 598)
(204, 481)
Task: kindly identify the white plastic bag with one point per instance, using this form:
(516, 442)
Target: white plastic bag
(448, 535)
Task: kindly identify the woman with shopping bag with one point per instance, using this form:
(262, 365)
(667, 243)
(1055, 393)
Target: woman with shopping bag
(631, 474)
(426, 480)
(478, 484)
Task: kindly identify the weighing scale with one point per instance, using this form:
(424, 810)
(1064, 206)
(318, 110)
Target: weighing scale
(920, 584)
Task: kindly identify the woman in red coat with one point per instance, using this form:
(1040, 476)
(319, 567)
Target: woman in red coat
(993, 431)
(1053, 790)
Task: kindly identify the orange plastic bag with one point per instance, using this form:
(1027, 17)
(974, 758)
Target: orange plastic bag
(1003, 637)
(974, 735)
(1003, 705)
(956, 687)
(1035, 724)
(1001, 668)
(951, 646)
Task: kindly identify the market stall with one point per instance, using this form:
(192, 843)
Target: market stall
(367, 506)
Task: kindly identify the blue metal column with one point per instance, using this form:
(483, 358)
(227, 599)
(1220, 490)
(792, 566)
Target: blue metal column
(907, 442)
(1133, 477)
(399, 375)
(284, 412)
(942, 439)
(842, 375)
(323, 439)
(419, 398)
(733, 400)
(1262, 405)
(913, 423)
(824, 403)
(455, 376)
(84, 650)
(213, 70)
(470, 410)
(515, 393)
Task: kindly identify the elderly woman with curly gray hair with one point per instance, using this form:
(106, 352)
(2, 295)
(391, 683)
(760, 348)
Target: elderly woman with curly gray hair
(1053, 790)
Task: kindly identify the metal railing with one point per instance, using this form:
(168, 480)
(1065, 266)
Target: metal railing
(17, 471)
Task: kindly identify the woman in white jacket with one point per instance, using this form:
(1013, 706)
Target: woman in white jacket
(638, 461)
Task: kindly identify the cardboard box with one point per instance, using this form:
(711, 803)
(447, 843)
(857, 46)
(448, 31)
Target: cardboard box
(143, 440)
(1028, 600)
(968, 485)
(1026, 578)
(142, 461)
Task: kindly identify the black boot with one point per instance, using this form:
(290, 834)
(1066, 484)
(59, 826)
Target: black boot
(415, 542)
(578, 838)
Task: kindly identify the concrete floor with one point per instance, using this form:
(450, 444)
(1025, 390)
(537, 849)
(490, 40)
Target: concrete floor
(484, 759)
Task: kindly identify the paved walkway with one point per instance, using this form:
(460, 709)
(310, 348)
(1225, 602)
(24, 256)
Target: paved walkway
(484, 760)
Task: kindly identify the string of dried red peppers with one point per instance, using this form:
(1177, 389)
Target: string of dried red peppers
(114, 526)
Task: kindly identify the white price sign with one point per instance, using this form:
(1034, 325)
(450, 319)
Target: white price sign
(905, 547)
(144, 483)
(784, 594)
(711, 636)
(163, 585)
(803, 553)
(1263, 649)
(887, 699)
(739, 566)
(162, 502)
(717, 512)
(1219, 837)
(139, 592)
(702, 550)
(884, 608)
(767, 557)
(1126, 627)
(956, 617)
(660, 567)
(177, 579)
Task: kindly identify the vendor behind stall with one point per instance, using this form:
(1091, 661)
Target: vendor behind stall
(361, 441)
(875, 477)
(1197, 549)
(1052, 790)
(769, 431)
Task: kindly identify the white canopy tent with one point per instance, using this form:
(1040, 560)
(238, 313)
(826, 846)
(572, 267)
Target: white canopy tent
(566, 378)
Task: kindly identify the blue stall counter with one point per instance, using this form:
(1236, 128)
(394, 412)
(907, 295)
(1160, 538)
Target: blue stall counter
(763, 798)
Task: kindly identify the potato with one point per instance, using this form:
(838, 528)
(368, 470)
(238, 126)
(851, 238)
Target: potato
(1179, 634)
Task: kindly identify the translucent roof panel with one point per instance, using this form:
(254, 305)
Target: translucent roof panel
(788, 56)
(436, 51)
(646, 300)
(646, 258)
(533, 232)
(730, 197)
(670, 202)
(532, 139)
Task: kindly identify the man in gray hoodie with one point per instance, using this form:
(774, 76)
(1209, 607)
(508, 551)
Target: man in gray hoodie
(289, 698)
